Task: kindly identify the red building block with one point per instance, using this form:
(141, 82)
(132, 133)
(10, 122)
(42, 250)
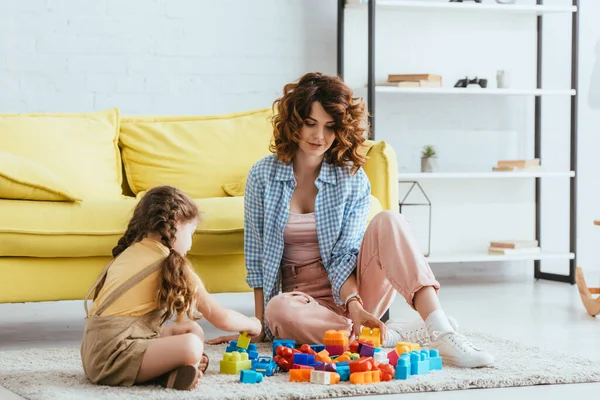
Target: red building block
(362, 365)
(387, 372)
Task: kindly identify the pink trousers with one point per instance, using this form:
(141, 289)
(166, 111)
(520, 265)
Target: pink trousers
(389, 262)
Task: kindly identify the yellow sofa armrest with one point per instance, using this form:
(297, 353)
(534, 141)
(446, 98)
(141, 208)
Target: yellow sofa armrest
(382, 169)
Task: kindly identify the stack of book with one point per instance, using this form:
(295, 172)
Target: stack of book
(514, 247)
(519, 165)
(413, 80)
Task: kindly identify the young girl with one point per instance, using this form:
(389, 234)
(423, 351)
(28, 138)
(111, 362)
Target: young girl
(148, 282)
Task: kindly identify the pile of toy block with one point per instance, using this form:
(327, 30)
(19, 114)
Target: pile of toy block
(360, 362)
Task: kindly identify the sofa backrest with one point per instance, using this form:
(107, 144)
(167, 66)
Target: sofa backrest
(197, 154)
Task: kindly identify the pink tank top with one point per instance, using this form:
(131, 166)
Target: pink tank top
(301, 245)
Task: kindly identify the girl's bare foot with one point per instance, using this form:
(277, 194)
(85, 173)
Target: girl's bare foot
(195, 385)
(203, 363)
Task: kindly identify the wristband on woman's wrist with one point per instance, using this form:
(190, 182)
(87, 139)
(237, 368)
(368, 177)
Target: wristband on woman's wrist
(352, 297)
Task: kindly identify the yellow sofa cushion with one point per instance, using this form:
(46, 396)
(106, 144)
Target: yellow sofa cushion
(80, 149)
(92, 228)
(197, 154)
(23, 179)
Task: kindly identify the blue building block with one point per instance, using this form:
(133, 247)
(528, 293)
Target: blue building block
(282, 342)
(304, 359)
(265, 365)
(253, 354)
(377, 349)
(419, 361)
(232, 347)
(403, 369)
(343, 371)
(435, 360)
(249, 376)
(317, 347)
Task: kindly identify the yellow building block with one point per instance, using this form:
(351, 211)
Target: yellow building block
(234, 362)
(406, 347)
(243, 341)
(373, 335)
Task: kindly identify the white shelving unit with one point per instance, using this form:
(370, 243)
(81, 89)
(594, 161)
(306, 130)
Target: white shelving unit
(474, 91)
(468, 6)
(535, 11)
(407, 176)
(485, 257)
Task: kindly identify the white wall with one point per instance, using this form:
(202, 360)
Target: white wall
(205, 57)
(158, 56)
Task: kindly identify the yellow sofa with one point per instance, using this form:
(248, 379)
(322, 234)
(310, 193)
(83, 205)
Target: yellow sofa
(68, 184)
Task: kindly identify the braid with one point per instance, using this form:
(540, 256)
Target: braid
(160, 211)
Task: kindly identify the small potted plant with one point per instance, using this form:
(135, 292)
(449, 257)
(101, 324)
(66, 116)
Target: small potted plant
(428, 159)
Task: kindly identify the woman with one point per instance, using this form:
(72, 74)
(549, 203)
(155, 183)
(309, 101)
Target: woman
(306, 233)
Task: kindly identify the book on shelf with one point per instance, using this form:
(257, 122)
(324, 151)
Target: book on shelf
(505, 251)
(519, 163)
(514, 244)
(414, 77)
(421, 83)
(531, 165)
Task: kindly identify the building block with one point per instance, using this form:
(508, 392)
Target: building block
(300, 366)
(343, 358)
(354, 346)
(364, 378)
(387, 372)
(249, 376)
(233, 346)
(282, 342)
(300, 375)
(335, 350)
(403, 368)
(285, 357)
(435, 360)
(323, 356)
(317, 347)
(243, 341)
(373, 335)
(393, 357)
(381, 357)
(362, 365)
(419, 362)
(354, 356)
(343, 370)
(265, 365)
(324, 378)
(336, 342)
(331, 367)
(406, 347)
(365, 350)
(306, 349)
(233, 363)
(304, 359)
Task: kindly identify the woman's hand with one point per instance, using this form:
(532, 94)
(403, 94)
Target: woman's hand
(223, 339)
(360, 317)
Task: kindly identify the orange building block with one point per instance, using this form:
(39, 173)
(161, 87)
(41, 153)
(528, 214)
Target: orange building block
(300, 375)
(363, 378)
(406, 347)
(323, 356)
(336, 338)
(343, 358)
(373, 335)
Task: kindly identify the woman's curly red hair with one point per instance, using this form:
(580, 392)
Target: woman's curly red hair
(347, 111)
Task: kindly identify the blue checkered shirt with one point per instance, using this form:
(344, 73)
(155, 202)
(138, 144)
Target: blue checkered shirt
(341, 211)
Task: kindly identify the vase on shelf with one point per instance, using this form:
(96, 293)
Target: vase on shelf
(428, 164)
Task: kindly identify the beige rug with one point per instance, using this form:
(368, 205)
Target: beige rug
(57, 374)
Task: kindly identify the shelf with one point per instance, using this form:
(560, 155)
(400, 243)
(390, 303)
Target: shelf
(403, 176)
(475, 91)
(485, 257)
(468, 7)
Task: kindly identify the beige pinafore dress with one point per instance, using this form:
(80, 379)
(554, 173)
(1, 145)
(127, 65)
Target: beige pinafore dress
(113, 346)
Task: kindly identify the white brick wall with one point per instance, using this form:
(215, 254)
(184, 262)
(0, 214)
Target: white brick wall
(159, 56)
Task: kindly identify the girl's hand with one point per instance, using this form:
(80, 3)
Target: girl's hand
(256, 329)
(360, 317)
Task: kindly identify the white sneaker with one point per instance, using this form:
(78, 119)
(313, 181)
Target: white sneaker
(457, 350)
(415, 331)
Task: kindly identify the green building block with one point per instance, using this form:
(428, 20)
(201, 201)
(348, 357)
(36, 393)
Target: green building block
(234, 362)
